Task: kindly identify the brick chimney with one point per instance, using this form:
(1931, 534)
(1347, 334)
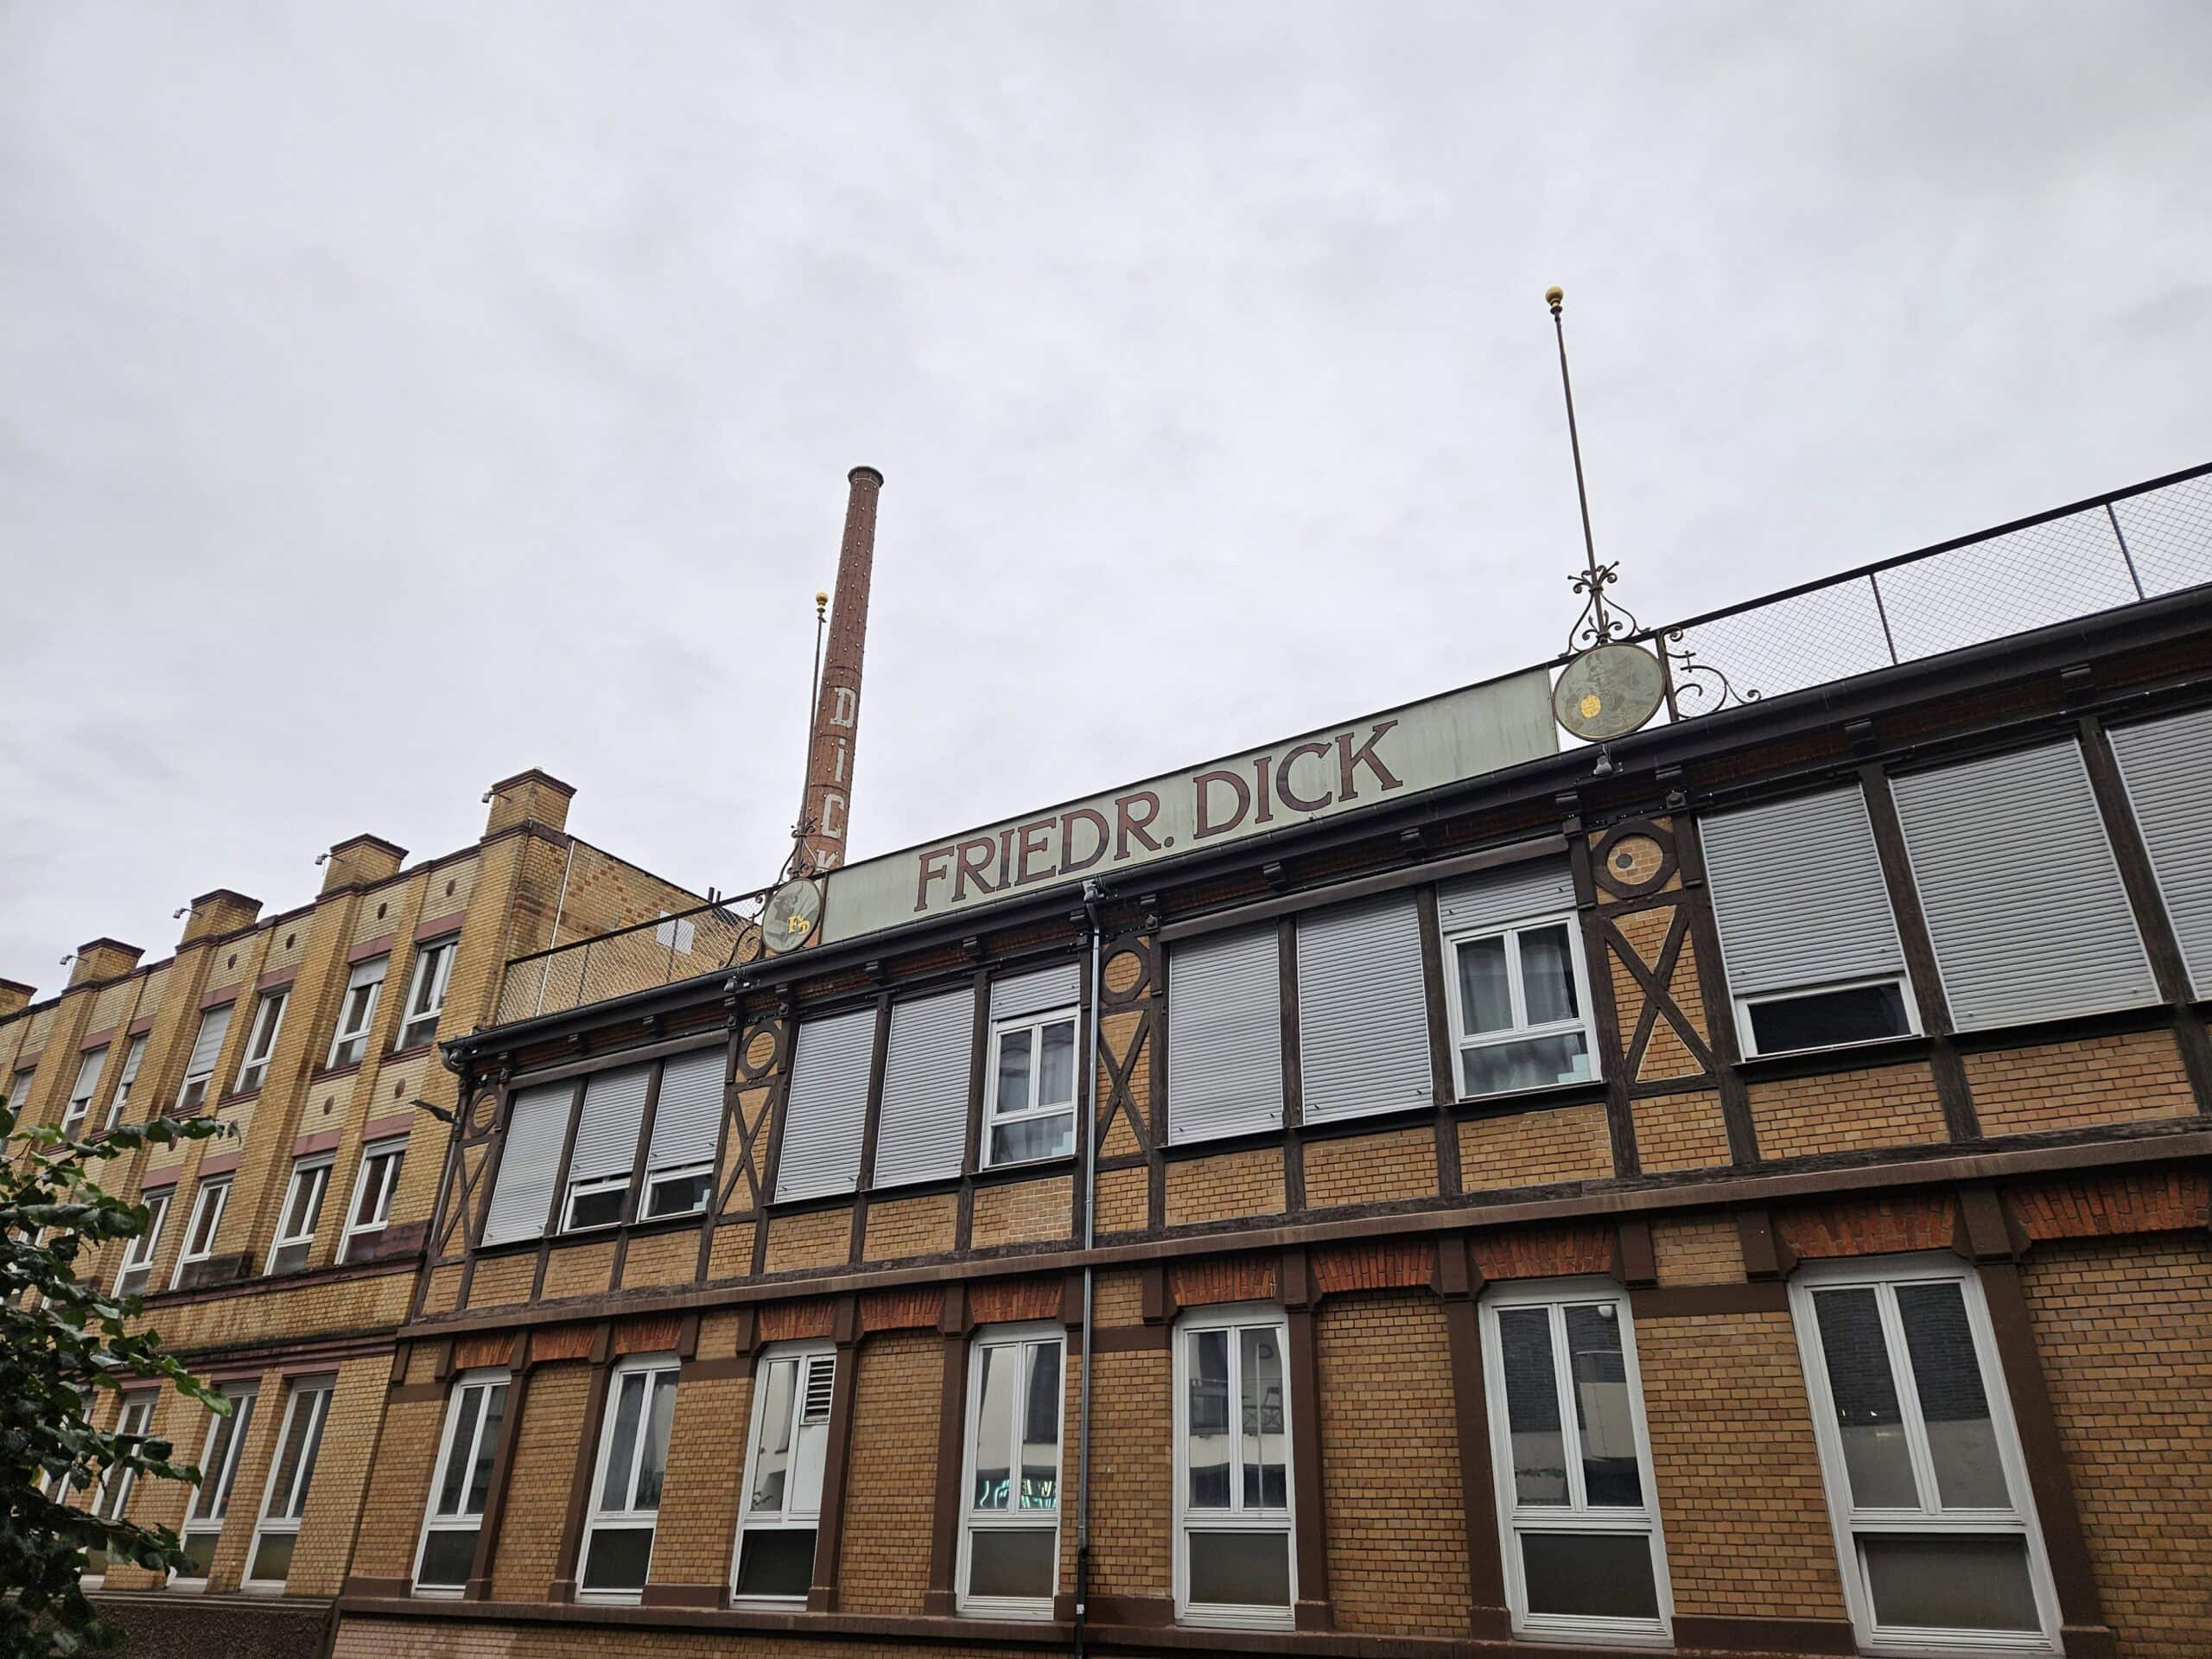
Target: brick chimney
(532, 797)
(837, 707)
(359, 860)
(103, 959)
(15, 996)
(220, 911)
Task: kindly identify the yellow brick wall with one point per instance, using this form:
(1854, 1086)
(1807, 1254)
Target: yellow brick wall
(706, 1467)
(884, 1563)
(1227, 1184)
(1371, 1168)
(501, 1280)
(398, 1488)
(812, 1238)
(1022, 1213)
(577, 1270)
(2124, 1327)
(1395, 1568)
(1846, 1111)
(1698, 1251)
(667, 1258)
(903, 1227)
(730, 1256)
(1124, 1200)
(341, 1479)
(2121, 1078)
(1740, 1498)
(1539, 1148)
(1680, 1132)
(550, 1438)
(1132, 1475)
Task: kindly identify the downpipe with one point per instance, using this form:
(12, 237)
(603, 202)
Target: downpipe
(1094, 892)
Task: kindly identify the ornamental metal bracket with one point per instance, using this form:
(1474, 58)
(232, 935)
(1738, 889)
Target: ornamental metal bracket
(1683, 671)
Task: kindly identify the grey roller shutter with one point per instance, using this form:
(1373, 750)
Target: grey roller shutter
(827, 1110)
(688, 1115)
(523, 1197)
(1037, 993)
(924, 1131)
(1798, 893)
(1224, 1035)
(2023, 897)
(1517, 893)
(2170, 784)
(606, 1134)
(1363, 1010)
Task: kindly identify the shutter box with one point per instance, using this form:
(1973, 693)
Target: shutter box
(1224, 1035)
(1037, 993)
(826, 1111)
(1499, 898)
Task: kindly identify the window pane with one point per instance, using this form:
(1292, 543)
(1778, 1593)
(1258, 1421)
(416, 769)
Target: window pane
(200, 1551)
(1533, 1063)
(1950, 1583)
(1208, 1407)
(1011, 1563)
(1014, 1072)
(676, 1195)
(1485, 1003)
(1040, 1429)
(653, 1467)
(488, 1445)
(1862, 1015)
(601, 1208)
(995, 1383)
(771, 1463)
(1866, 1413)
(1241, 1569)
(622, 1448)
(1055, 1065)
(1591, 1574)
(1548, 976)
(464, 1436)
(1962, 1440)
(1601, 1410)
(373, 1184)
(617, 1557)
(1033, 1137)
(1524, 1335)
(776, 1563)
(447, 1556)
(272, 1557)
(1266, 1482)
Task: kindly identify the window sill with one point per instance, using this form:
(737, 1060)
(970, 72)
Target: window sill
(1057, 1163)
(1552, 1094)
(242, 1097)
(410, 1051)
(1836, 1057)
(332, 1073)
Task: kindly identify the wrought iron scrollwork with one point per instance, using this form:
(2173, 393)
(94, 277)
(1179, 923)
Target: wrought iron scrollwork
(1601, 621)
(1683, 668)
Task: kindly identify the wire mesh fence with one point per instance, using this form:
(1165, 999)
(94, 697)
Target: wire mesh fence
(2120, 549)
(637, 958)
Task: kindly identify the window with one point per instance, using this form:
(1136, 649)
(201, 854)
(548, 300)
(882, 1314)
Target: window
(1031, 1113)
(674, 933)
(269, 1563)
(365, 1217)
(1234, 1562)
(1363, 1010)
(261, 1043)
(2160, 762)
(426, 992)
(463, 1484)
(1010, 1535)
(302, 1210)
(133, 1057)
(792, 1393)
(1519, 1007)
(1225, 1034)
(687, 1120)
(80, 1094)
(19, 1090)
(606, 1149)
(206, 1049)
(625, 1489)
(199, 1237)
(826, 1106)
(529, 1160)
(1806, 928)
(138, 1259)
(357, 1012)
(922, 1132)
(1577, 1506)
(218, 1468)
(134, 1422)
(1926, 1486)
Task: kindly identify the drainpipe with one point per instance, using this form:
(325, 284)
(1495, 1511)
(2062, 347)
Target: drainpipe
(1093, 892)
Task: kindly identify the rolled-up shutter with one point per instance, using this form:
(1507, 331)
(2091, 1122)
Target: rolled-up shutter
(2023, 896)
(523, 1195)
(1224, 1035)
(827, 1110)
(207, 1046)
(924, 1129)
(1798, 893)
(2170, 784)
(688, 1115)
(1513, 892)
(1363, 1010)
(606, 1134)
(1037, 992)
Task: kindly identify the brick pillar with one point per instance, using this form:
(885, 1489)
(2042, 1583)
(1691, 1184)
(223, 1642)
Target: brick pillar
(1458, 1282)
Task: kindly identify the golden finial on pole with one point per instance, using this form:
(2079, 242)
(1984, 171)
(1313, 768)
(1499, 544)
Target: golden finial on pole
(1555, 297)
(821, 603)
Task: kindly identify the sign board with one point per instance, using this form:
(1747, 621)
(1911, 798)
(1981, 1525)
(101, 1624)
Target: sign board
(1326, 773)
(1608, 691)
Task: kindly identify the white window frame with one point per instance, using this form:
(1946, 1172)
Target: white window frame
(309, 1171)
(655, 1178)
(285, 1517)
(1520, 1031)
(138, 1254)
(426, 989)
(386, 1184)
(1744, 1005)
(80, 1106)
(597, 1517)
(792, 1517)
(134, 1056)
(1577, 1514)
(1233, 1318)
(261, 1041)
(217, 1187)
(1885, 1275)
(356, 1022)
(1035, 1025)
(187, 1099)
(19, 1091)
(592, 1189)
(1019, 1338)
(219, 1482)
(488, 1379)
(112, 1496)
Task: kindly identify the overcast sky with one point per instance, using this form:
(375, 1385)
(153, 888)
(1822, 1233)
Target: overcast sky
(393, 398)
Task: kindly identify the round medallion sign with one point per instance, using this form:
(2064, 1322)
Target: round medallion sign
(1608, 692)
(789, 920)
